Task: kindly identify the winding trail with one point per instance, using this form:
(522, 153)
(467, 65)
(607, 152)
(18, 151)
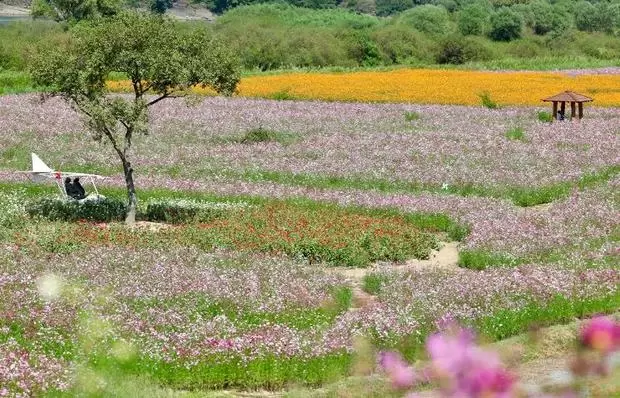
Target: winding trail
(445, 258)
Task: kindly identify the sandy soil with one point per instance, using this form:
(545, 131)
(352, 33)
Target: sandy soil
(7, 10)
(446, 258)
(191, 13)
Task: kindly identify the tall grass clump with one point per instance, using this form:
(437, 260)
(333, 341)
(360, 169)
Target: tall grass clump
(261, 134)
(515, 134)
(411, 116)
(487, 101)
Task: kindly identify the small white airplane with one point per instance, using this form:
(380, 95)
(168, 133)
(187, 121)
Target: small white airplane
(42, 172)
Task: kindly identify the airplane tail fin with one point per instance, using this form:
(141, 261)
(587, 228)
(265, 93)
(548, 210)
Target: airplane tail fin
(39, 166)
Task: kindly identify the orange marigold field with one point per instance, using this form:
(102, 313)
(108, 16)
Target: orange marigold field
(425, 86)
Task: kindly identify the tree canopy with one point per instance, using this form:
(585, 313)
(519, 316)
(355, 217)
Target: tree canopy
(75, 10)
(159, 60)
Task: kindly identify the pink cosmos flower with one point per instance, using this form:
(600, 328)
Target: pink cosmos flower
(400, 373)
(601, 334)
(469, 370)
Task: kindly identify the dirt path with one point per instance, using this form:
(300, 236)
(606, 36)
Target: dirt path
(446, 257)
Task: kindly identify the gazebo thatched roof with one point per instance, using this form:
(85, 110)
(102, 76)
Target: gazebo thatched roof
(568, 96)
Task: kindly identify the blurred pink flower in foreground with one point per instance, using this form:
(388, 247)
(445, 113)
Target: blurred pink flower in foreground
(462, 369)
(467, 369)
(399, 371)
(601, 334)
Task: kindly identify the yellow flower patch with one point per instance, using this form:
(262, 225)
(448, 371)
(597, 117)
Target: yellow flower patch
(426, 86)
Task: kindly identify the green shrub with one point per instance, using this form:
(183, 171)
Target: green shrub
(98, 210)
(602, 17)
(459, 50)
(515, 134)
(160, 6)
(427, 18)
(545, 116)
(544, 18)
(487, 101)
(258, 47)
(389, 7)
(315, 46)
(474, 19)
(526, 48)
(179, 211)
(259, 135)
(400, 44)
(361, 48)
(506, 25)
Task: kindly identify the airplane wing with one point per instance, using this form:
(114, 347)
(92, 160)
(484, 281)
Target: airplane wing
(41, 171)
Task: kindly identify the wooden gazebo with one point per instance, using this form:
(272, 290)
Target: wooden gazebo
(563, 98)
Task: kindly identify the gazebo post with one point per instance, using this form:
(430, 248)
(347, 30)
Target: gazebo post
(580, 110)
(572, 110)
(563, 109)
(555, 110)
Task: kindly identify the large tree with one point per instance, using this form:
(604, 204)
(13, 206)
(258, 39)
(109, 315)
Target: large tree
(160, 61)
(74, 10)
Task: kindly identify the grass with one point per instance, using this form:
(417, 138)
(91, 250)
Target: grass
(283, 95)
(314, 232)
(14, 82)
(560, 310)
(276, 373)
(266, 373)
(550, 342)
(248, 318)
(432, 222)
(265, 135)
(372, 283)
(545, 117)
(506, 323)
(521, 196)
(411, 116)
(515, 134)
(482, 259)
(487, 101)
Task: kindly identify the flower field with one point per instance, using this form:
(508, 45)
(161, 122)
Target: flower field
(341, 212)
(427, 86)
(463, 150)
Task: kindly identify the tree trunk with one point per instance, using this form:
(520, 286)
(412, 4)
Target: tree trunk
(131, 193)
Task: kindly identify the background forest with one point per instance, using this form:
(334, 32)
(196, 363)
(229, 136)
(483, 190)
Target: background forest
(372, 33)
